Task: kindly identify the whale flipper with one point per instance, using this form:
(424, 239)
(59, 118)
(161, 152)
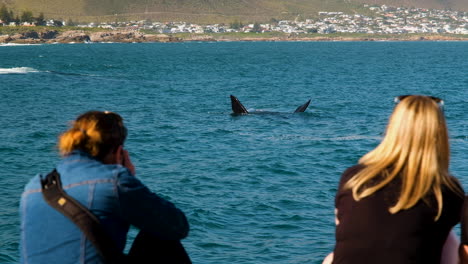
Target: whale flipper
(237, 107)
(303, 107)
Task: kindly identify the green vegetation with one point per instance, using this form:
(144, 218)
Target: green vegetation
(7, 16)
(256, 28)
(194, 11)
(207, 11)
(236, 24)
(27, 16)
(23, 29)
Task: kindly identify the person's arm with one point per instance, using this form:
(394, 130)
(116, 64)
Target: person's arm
(149, 212)
(329, 258)
(463, 248)
(347, 174)
(463, 254)
(123, 158)
(145, 209)
(450, 250)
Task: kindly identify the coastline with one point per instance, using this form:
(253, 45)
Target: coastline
(52, 36)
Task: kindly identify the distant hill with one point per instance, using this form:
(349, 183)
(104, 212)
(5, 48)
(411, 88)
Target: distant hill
(208, 11)
(458, 5)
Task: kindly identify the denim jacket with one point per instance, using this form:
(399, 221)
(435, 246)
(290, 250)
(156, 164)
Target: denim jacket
(115, 196)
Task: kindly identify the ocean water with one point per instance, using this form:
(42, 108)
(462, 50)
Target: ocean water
(256, 188)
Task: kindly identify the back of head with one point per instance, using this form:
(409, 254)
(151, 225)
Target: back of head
(96, 133)
(416, 135)
(415, 149)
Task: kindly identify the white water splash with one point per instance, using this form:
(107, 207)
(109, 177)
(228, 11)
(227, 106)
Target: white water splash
(17, 44)
(17, 70)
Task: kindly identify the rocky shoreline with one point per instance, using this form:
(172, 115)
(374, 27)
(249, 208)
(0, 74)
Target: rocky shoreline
(370, 38)
(79, 36)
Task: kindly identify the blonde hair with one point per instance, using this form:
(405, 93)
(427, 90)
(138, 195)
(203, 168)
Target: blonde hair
(94, 132)
(415, 150)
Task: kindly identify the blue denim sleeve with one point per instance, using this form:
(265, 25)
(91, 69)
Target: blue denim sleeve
(149, 212)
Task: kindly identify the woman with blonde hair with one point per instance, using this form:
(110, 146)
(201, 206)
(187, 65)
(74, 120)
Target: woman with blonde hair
(97, 174)
(399, 204)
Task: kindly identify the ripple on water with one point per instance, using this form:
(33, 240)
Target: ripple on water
(256, 188)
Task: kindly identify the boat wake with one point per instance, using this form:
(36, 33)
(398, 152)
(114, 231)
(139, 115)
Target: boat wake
(17, 70)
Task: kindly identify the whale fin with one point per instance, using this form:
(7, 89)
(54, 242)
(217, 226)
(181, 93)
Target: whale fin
(302, 108)
(237, 107)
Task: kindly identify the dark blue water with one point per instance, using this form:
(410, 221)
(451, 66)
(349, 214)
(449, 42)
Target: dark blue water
(257, 188)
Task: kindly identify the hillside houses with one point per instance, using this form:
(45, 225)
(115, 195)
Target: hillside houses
(393, 21)
(386, 20)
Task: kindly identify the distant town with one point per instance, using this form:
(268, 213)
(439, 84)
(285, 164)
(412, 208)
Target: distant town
(387, 20)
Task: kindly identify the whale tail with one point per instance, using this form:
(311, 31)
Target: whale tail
(302, 108)
(237, 107)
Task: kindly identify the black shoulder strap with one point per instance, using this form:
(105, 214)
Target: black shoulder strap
(89, 224)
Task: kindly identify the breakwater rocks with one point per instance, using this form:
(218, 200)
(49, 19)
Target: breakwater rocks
(77, 36)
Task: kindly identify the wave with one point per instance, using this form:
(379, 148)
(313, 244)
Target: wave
(357, 137)
(24, 70)
(459, 139)
(17, 70)
(17, 44)
(313, 138)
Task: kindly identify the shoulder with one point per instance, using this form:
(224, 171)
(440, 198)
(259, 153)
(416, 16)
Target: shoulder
(450, 191)
(349, 173)
(344, 200)
(34, 185)
(456, 182)
(79, 167)
(353, 170)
